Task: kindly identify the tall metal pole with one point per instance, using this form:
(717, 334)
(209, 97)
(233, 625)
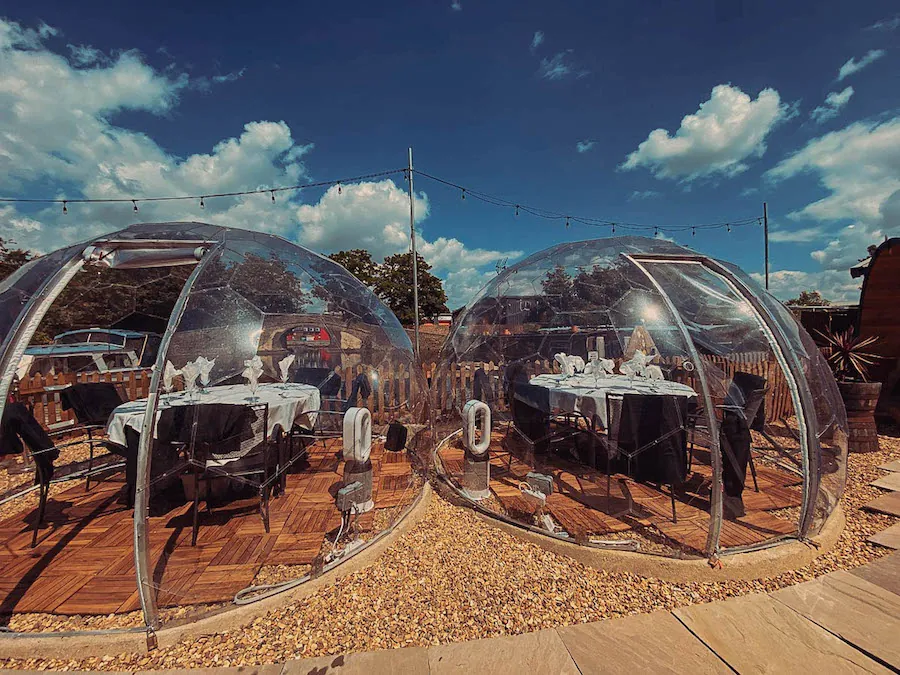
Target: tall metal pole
(766, 236)
(415, 262)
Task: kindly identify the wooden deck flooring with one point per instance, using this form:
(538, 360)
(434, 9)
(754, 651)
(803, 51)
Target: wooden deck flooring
(582, 506)
(84, 561)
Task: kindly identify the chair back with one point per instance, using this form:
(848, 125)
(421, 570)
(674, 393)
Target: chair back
(91, 402)
(211, 430)
(653, 430)
(325, 380)
(747, 392)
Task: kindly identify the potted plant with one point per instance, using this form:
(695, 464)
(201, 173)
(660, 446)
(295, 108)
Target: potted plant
(846, 354)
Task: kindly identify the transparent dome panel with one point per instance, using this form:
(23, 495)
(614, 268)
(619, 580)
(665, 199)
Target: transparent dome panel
(195, 395)
(260, 475)
(638, 400)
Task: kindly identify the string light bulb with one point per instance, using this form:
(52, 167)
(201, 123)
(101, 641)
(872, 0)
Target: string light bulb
(655, 231)
(517, 209)
(273, 196)
(201, 203)
(567, 222)
(728, 227)
(464, 194)
(65, 210)
(134, 203)
(613, 228)
(339, 188)
(693, 231)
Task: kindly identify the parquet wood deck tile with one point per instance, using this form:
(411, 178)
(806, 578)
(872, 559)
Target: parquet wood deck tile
(213, 583)
(295, 549)
(581, 506)
(245, 550)
(23, 595)
(84, 562)
(109, 591)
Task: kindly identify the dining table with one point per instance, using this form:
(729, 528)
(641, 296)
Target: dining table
(586, 394)
(288, 404)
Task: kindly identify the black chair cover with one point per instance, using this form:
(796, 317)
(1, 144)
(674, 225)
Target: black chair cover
(19, 425)
(744, 410)
(92, 402)
(652, 431)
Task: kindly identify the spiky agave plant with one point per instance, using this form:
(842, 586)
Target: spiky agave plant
(847, 359)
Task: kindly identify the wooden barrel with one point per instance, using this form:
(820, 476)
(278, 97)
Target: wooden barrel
(860, 399)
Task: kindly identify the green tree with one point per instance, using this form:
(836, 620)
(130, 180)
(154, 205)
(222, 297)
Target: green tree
(558, 289)
(394, 286)
(360, 264)
(11, 259)
(808, 299)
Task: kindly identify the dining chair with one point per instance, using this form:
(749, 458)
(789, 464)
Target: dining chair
(223, 441)
(19, 426)
(92, 403)
(640, 426)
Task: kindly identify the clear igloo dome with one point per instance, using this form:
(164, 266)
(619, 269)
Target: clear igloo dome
(641, 396)
(251, 404)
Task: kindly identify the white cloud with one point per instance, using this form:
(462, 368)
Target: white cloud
(55, 128)
(560, 66)
(643, 194)
(584, 146)
(725, 131)
(804, 234)
(456, 6)
(833, 104)
(859, 165)
(834, 286)
(462, 284)
(886, 24)
(853, 66)
(537, 39)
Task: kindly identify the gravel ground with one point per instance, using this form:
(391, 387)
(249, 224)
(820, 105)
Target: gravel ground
(454, 577)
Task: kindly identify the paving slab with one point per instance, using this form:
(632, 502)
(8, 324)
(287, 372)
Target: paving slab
(858, 611)
(387, 662)
(884, 572)
(889, 482)
(643, 643)
(889, 538)
(758, 634)
(540, 652)
(889, 504)
(891, 466)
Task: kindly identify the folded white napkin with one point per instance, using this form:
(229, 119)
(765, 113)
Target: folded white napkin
(253, 369)
(169, 374)
(190, 371)
(284, 366)
(205, 366)
(566, 366)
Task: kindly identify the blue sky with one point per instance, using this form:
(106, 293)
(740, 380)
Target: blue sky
(654, 112)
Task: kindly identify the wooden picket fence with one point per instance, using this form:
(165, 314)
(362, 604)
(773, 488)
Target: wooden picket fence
(396, 387)
(41, 392)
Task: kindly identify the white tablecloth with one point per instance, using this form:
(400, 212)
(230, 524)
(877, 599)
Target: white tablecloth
(583, 394)
(288, 403)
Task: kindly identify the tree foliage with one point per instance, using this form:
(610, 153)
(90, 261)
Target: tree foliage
(359, 263)
(392, 282)
(808, 299)
(394, 286)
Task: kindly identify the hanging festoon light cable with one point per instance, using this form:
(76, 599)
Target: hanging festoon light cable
(199, 198)
(518, 207)
(485, 197)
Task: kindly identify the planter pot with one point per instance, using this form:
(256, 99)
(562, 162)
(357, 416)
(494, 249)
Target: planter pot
(860, 399)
